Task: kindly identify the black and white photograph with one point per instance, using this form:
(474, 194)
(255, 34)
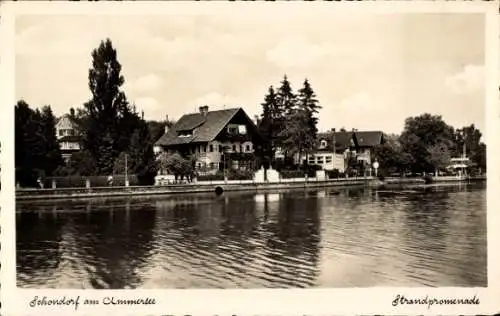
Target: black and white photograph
(266, 147)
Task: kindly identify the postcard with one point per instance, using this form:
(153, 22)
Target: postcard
(249, 158)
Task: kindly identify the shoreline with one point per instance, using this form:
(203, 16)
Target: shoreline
(103, 192)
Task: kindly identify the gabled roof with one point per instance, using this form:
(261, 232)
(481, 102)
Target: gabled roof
(359, 139)
(206, 127)
(342, 139)
(369, 139)
(66, 117)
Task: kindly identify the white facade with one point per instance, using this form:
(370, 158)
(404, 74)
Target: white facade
(211, 154)
(328, 161)
(364, 154)
(67, 134)
(65, 127)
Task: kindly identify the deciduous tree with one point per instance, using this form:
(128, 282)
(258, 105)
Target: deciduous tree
(108, 121)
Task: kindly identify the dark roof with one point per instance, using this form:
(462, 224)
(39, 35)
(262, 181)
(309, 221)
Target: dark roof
(369, 139)
(342, 139)
(70, 138)
(207, 127)
(362, 139)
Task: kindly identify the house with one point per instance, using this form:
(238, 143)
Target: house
(326, 157)
(218, 140)
(364, 144)
(358, 143)
(67, 136)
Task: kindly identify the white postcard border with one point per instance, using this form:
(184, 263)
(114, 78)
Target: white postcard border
(248, 302)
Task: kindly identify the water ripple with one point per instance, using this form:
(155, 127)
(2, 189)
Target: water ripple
(295, 239)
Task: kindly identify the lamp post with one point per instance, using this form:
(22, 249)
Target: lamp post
(224, 151)
(126, 171)
(375, 166)
(464, 146)
(333, 147)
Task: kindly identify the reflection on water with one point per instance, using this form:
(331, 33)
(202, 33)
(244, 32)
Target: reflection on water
(314, 238)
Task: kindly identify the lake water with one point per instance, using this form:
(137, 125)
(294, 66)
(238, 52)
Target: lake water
(316, 238)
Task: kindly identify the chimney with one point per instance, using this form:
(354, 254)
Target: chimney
(204, 110)
(333, 130)
(166, 124)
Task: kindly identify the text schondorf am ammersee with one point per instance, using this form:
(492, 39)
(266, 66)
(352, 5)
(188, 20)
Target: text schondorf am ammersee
(75, 302)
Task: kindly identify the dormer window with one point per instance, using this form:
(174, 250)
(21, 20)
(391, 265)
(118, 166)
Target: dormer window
(323, 144)
(185, 133)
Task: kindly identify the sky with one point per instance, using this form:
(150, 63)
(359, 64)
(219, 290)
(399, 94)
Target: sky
(369, 72)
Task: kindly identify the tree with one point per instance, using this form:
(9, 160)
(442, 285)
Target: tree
(142, 157)
(81, 163)
(286, 105)
(177, 165)
(107, 120)
(309, 106)
(468, 138)
(52, 158)
(120, 163)
(439, 156)
(295, 136)
(286, 99)
(36, 149)
(269, 125)
(479, 157)
(422, 132)
(308, 102)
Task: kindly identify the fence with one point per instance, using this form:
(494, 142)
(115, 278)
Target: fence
(94, 181)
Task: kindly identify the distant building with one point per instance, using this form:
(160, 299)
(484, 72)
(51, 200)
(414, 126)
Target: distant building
(67, 136)
(364, 144)
(333, 148)
(217, 139)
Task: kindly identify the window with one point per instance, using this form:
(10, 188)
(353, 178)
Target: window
(232, 129)
(311, 159)
(320, 159)
(323, 144)
(234, 148)
(236, 129)
(185, 133)
(211, 148)
(328, 159)
(220, 148)
(204, 147)
(60, 132)
(242, 129)
(248, 148)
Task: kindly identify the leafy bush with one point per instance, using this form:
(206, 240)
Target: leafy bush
(240, 174)
(219, 176)
(333, 174)
(289, 174)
